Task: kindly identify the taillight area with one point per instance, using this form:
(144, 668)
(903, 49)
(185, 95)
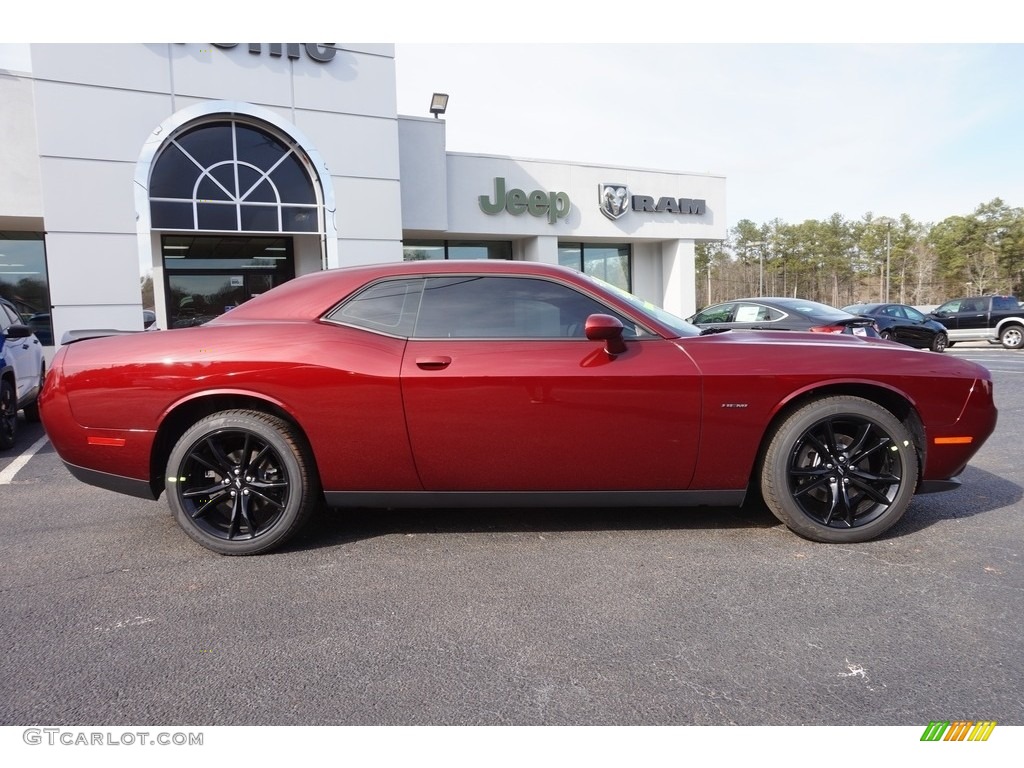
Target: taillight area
(858, 328)
(828, 329)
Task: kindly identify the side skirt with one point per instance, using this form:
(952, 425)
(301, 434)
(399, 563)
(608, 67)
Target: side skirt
(470, 499)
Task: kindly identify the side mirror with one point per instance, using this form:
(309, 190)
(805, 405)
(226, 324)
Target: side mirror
(18, 331)
(607, 329)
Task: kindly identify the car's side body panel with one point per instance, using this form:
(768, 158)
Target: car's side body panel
(750, 378)
(557, 415)
(340, 385)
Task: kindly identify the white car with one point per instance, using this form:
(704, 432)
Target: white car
(22, 369)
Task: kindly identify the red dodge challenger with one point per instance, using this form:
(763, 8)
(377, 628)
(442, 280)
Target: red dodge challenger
(499, 383)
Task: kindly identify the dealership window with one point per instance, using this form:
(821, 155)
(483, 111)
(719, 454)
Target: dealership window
(24, 281)
(423, 250)
(611, 263)
(208, 275)
(228, 175)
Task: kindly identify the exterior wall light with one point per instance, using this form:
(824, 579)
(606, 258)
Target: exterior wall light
(438, 104)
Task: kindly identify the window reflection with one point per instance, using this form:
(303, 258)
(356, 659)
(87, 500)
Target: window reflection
(24, 281)
(209, 177)
(423, 250)
(610, 263)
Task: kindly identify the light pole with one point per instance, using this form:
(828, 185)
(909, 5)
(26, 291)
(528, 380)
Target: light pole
(759, 244)
(888, 250)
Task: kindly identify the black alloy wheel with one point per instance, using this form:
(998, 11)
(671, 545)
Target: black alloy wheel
(940, 343)
(242, 482)
(840, 469)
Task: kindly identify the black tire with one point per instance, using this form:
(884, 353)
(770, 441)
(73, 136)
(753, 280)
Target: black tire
(1012, 337)
(32, 409)
(940, 343)
(839, 469)
(242, 482)
(8, 414)
(886, 335)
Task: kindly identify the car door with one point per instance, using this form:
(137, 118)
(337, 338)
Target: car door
(24, 354)
(973, 316)
(895, 324)
(913, 327)
(503, 392)
(949, 316)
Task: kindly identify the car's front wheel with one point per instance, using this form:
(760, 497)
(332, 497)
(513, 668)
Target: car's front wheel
(242, 482)
(840, 469)
(940, 342)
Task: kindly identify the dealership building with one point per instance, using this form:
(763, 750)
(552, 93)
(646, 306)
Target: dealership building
(224, 169)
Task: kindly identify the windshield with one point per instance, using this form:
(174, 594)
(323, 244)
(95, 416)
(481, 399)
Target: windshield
(677, 324)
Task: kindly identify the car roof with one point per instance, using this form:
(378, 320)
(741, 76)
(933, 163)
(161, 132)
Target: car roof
(311, 296)
(787, 302)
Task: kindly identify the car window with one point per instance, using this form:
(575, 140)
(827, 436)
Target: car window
(756, 313)
(388, 307)
(498, 306)
(1005, 302)
(10, 315)
(720, 313)
(913, 314)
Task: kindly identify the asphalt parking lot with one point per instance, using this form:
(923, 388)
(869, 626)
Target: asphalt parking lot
(109, 614)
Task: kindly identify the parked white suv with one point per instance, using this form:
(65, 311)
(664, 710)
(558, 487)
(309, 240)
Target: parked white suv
(22, 368)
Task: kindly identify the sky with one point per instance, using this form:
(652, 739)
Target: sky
(807, 109)
(798, 131)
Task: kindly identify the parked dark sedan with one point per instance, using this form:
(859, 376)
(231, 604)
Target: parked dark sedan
(782, 314)
(904, 324)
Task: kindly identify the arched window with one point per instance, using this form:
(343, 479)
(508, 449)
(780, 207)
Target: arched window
(230, 176)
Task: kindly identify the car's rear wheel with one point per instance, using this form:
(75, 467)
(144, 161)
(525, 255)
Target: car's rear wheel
(886, 335)
(242, 482)
(940, 342)
(1012, 337)
(8, 414)
(839, 469)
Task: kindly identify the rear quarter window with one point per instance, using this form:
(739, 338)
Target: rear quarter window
(1004, 303)
(389, 307)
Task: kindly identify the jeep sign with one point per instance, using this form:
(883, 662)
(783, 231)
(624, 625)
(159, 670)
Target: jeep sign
(554, 205)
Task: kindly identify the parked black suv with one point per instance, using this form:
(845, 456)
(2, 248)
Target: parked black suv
(998, 319)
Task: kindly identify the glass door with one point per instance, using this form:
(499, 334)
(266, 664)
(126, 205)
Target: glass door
(207, 276)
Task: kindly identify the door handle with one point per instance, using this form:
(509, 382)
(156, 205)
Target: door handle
(434, 362)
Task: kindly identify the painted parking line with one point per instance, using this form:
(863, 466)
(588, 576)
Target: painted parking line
(7, 476)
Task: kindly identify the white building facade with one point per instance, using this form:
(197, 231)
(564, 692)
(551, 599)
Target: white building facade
(225, 169)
